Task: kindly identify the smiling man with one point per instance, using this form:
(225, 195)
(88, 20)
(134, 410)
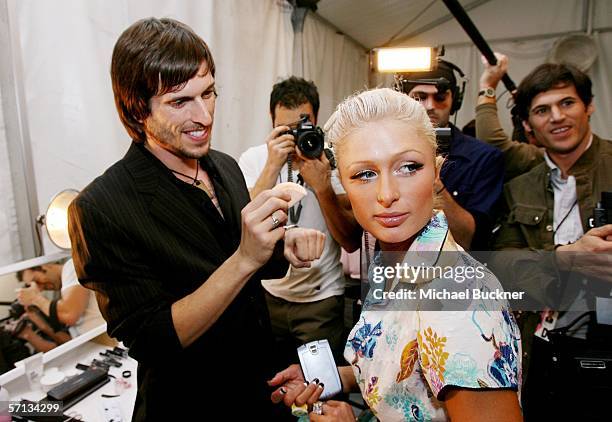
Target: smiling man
(551, 204)
(170, 243)
(549, 207)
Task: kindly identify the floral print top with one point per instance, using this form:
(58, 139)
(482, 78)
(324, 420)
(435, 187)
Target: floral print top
(403, 359)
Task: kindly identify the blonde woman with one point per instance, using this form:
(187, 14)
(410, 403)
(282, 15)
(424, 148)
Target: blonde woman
(411, 363)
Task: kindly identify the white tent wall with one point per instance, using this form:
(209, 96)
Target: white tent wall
(601, 75)
(10, 249)
(536, 26)
(337, 65)
(66, 47)
(74, 130)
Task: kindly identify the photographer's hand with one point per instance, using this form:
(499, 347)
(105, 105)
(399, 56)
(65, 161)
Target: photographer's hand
(280, 145)
(336, 209)
(29, 295)
(316, 172)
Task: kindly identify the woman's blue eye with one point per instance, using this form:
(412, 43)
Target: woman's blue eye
(177, 103)
(364, 175)
(409, 168)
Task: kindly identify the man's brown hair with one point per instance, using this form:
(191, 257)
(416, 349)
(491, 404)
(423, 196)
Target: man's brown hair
(153, 57)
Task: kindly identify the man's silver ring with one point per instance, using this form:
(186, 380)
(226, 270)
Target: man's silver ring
(317, 408)
(275, 221)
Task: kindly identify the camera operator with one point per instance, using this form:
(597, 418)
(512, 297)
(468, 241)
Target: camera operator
(471, 178)
(308, 303)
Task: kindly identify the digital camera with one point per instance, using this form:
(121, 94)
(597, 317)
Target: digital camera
(308, 138)
(16, 309)
(602, 214)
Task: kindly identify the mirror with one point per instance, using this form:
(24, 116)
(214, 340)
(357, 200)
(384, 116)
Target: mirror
(27, 322)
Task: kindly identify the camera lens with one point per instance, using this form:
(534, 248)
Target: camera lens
(310, 144)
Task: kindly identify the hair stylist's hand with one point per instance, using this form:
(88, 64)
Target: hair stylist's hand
(334, 411)
(279, 147)
(302, 246)
(262, 226)
(293, 389)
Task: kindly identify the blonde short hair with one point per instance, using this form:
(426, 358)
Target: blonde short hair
(375, 105)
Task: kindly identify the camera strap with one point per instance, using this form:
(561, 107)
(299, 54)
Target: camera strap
(296, 210)
(294, 215)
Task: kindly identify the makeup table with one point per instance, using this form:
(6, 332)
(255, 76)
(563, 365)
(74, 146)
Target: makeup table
(113, 401)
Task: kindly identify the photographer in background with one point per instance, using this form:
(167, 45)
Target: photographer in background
(32, 325)
(471, 178)
(308, 303)
(61, 319)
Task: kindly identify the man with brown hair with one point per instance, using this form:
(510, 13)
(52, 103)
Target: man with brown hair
(549, 247)
(170, 243)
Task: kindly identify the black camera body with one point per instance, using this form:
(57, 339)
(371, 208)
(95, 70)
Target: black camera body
(602, 214)
(309, 138)
(16, 309)
(443, 137)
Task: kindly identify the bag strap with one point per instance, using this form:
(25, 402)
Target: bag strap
(564, 330)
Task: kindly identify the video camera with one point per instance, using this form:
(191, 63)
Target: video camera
(309, 138)
(403, 83)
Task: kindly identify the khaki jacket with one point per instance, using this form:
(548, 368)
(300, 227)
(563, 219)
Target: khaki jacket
(530, 200)
(519, 157)
(527, 231)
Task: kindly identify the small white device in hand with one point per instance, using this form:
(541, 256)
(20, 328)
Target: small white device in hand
(317, 361)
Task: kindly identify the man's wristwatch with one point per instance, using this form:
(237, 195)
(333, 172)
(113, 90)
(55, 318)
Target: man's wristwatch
(487, 92)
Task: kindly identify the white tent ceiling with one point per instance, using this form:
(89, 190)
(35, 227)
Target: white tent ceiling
(524, 30)
(376, 23)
